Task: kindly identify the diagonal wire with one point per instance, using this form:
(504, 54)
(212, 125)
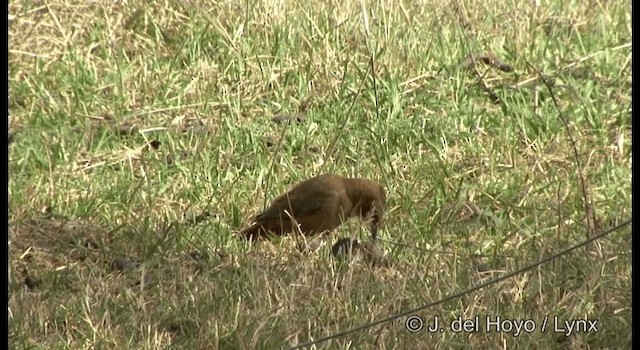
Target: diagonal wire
(466, 291)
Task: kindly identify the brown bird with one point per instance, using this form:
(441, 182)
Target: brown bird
(321, 204)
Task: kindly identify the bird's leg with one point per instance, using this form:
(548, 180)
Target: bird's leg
(376, 219)
(374, 228)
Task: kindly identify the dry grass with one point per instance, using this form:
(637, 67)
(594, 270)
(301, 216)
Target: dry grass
(144, 132)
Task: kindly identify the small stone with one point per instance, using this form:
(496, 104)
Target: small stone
(122, 264)
(285, 118)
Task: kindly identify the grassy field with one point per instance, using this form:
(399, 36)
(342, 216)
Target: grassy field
(143, 140)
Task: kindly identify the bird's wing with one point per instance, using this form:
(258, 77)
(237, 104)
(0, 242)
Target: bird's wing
(297, 204)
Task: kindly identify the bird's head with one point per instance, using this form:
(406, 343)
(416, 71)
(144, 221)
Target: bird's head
(368, 198)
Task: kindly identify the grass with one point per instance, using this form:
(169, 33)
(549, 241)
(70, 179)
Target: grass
(143, 133)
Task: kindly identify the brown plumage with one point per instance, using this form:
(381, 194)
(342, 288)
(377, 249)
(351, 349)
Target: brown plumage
(321, 204)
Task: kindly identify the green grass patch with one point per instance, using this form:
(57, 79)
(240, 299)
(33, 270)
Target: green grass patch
(143, 132)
